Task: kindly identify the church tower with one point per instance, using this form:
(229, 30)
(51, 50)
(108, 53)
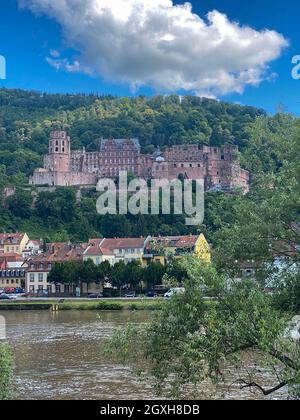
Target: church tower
(59, 151)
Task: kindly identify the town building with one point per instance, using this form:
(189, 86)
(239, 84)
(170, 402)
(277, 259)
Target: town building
(219, 168)
(12, 274)
(13, 242)
(98, 254)
(125, 249)
(33, 247)
(39, 267)
(145, 250)
(162, 249)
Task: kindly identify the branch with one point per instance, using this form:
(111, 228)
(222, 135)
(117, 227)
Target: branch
(264, 391)
(284, 359)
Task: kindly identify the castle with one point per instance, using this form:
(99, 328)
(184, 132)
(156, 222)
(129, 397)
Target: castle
(218, 167)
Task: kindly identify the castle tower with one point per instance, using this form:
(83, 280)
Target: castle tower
(59, 151)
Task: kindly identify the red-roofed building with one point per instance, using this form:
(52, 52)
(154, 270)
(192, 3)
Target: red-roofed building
(162, 248)
(40, 266)
(99, 254)
(12, 272)
(123, 249)
(13, 242)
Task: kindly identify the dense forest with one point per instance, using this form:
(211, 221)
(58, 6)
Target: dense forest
(26, 118)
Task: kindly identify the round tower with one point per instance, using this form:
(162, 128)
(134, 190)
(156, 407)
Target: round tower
(60, 151)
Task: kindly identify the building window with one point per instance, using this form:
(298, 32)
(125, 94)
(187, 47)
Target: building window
(41, 277)
(31, 277)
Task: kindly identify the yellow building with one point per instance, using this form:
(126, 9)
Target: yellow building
(164, 249)
(13, 242)
(12, 278)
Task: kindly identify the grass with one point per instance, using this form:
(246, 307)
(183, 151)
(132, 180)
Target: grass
(86, 305)
(112, 305)
(92, 305)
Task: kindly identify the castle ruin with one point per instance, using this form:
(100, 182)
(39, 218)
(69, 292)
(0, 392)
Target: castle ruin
(218, 167)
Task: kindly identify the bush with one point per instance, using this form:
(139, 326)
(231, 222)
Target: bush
(6, 372)
(109, 306)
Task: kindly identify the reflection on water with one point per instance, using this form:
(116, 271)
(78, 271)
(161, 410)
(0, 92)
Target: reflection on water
(58, 356)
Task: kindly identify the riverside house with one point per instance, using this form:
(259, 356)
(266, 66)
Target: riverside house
(12, 274)
(13, 242)
(161, 249)
(39, 267)
(123, 249)
(145, 250)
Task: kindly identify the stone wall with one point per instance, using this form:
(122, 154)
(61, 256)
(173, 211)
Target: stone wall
(216, 166)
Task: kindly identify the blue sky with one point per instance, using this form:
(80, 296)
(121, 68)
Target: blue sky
(26, 40)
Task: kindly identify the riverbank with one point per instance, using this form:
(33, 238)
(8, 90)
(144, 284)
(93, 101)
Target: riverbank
(83, 305)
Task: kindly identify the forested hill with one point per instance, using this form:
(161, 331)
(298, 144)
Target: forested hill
(26, 119)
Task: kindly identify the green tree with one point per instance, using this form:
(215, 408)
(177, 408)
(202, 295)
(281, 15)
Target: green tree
(87, 273)
(153, 275)
(20, 204)
(193, 341)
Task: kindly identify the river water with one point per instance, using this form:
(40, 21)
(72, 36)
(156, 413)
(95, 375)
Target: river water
(58, 356)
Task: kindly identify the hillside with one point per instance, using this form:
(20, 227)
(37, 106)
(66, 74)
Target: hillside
(26, 119)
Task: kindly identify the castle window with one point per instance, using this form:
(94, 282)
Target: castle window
(56, 149)
(222, 157)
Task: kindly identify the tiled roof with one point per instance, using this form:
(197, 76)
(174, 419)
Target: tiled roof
(120, 143)
(176, 241)
(7, 258)
(6, 238)
(62, 254)
(56, 244)
(36, 242)
(123, 243)
(10, 256)
(94, 251)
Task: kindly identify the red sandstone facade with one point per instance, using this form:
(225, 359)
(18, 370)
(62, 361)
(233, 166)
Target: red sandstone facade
(218, 167)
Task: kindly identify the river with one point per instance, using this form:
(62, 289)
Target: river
(58, 356)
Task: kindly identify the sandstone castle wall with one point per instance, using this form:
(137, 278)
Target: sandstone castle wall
(218, 167)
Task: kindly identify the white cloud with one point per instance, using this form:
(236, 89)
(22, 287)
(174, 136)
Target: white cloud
(159, 44)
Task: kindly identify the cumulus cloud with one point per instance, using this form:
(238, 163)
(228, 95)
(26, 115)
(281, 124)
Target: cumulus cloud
(159, 44)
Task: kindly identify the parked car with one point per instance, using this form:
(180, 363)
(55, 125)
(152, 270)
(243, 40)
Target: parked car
(96, 296)
(9, 290)
(151, 295)
(5, 297)
(174, 291)
(130, 295)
